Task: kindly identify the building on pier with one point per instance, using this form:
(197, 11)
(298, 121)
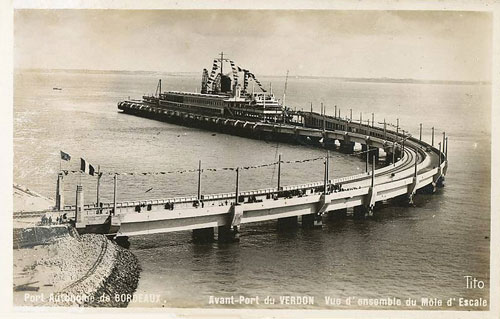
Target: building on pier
(226, 95)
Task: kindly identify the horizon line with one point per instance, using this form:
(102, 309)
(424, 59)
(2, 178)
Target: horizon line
(366, 79)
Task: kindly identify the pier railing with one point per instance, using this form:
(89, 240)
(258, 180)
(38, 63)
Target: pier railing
(420, 164)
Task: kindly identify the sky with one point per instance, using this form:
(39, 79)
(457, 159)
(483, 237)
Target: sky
(432, 45)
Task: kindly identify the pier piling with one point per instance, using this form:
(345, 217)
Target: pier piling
(287, 222)
(337, 214)
(228, 234)
(359, 212)
(308, 221)
(347, 147)
(203, 235)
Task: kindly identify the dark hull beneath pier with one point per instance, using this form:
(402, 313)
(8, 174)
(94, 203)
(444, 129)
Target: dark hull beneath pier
(221, 127)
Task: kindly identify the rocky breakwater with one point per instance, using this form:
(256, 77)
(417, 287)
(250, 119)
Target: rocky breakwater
(75, 270)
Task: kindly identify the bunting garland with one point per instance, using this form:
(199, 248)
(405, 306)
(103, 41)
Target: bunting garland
(246, 75)
(245, 81)
(258, 82)
(216, 86)
(211, 78)
(66, 172)
(235, 73)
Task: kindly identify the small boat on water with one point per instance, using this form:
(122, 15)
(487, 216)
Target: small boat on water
(57, 89)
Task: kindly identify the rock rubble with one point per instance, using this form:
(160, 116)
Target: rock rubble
(86, 270)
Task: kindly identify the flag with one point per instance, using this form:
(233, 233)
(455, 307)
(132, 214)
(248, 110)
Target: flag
(65, 156)
(86, 167)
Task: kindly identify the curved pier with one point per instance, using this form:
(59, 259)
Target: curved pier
(417, 165)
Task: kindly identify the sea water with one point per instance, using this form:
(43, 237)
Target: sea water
(407, 252)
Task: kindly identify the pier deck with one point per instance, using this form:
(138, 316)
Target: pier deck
(417, 165)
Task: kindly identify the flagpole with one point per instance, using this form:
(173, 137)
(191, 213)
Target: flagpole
(98, 183)
(199, 180)
(279, 172)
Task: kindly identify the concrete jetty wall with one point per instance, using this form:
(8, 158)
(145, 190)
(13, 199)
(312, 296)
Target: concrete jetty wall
(75, 270)
(115, 274)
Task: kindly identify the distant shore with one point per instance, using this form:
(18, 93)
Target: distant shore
(196, 74)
